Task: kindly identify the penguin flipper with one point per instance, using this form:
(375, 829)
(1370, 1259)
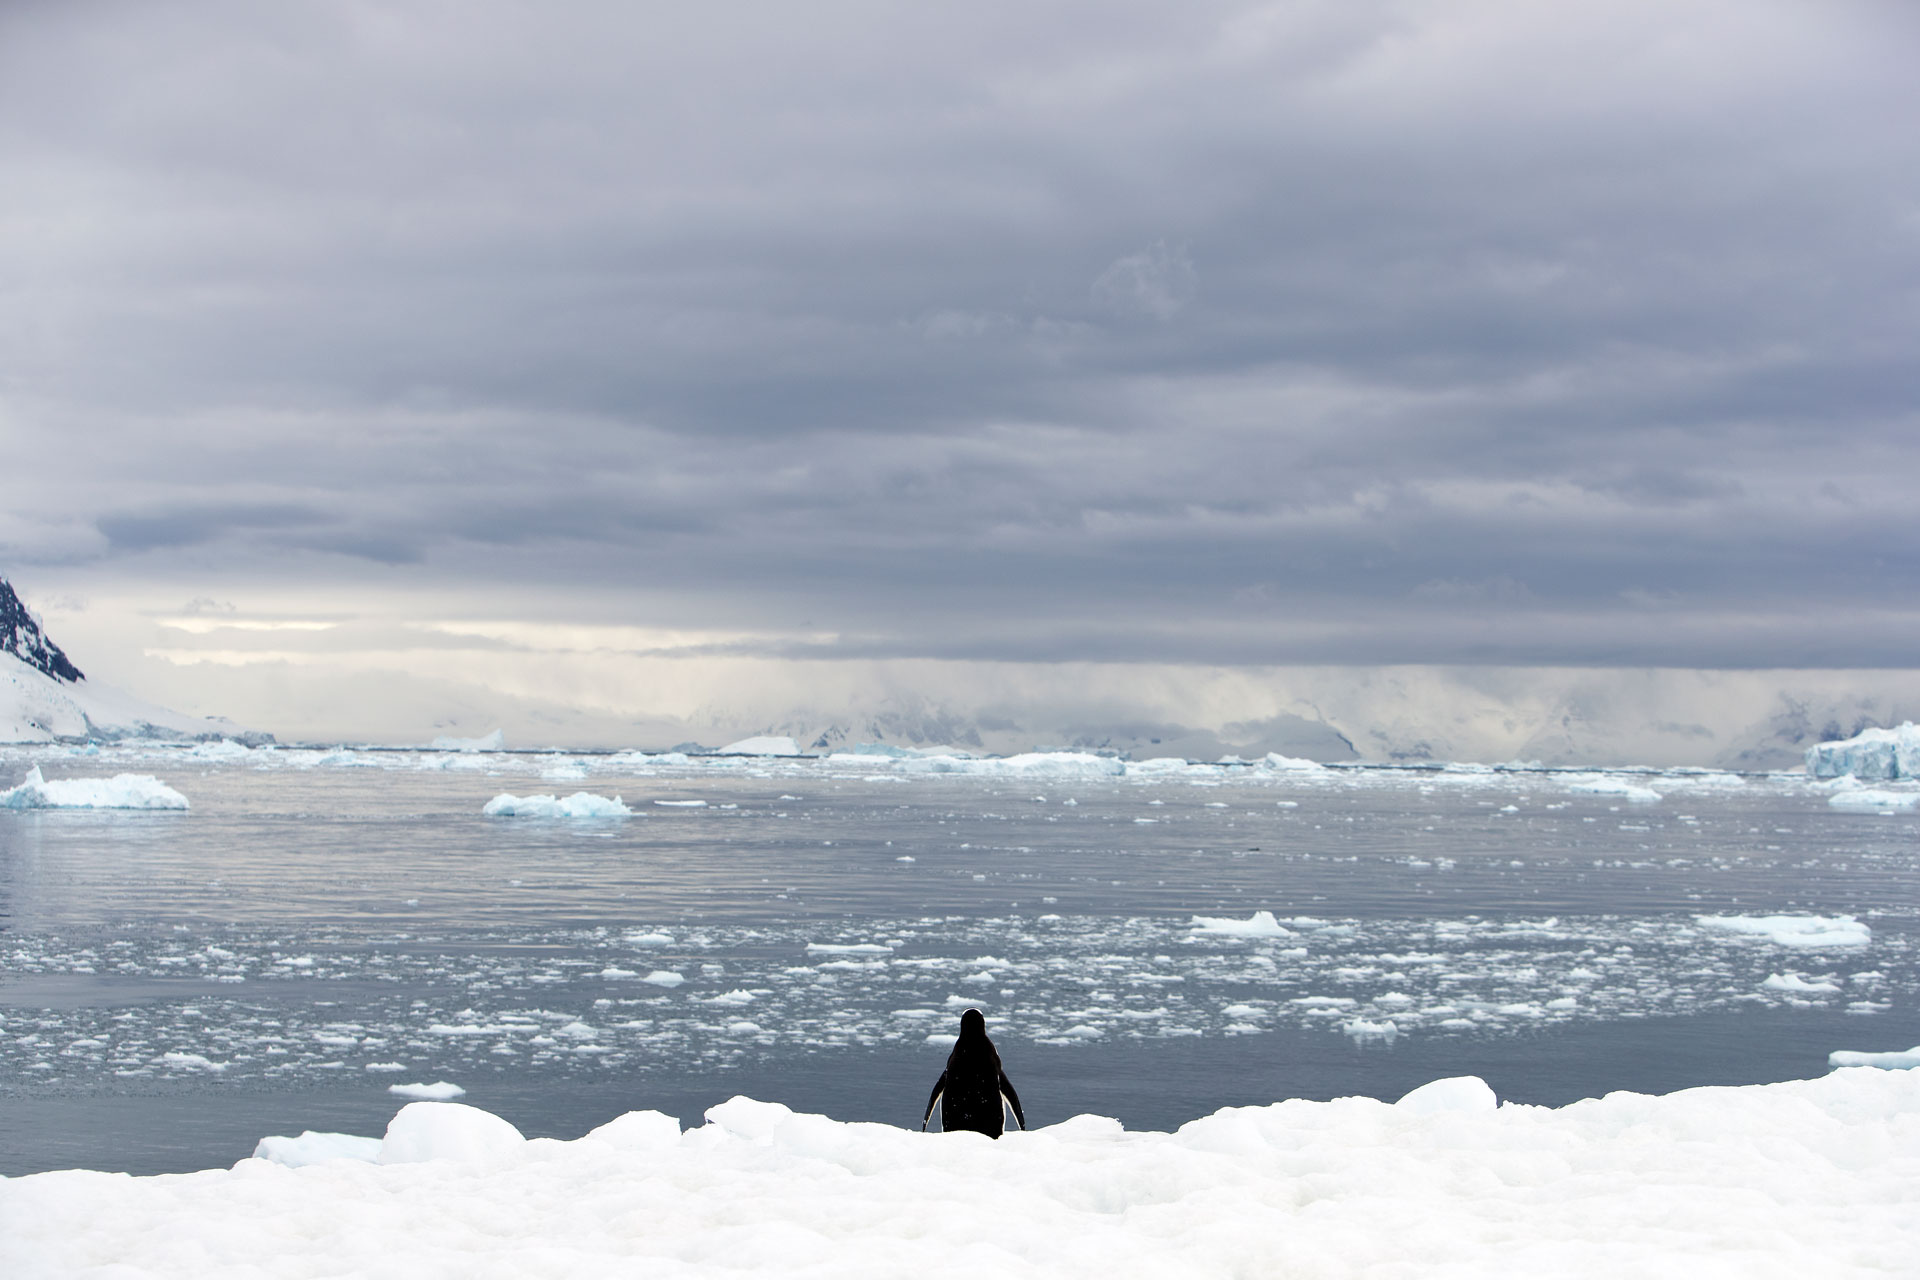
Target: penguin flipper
(1013, 1099)
(939, 1087)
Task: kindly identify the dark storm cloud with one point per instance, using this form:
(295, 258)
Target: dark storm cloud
(998, 331)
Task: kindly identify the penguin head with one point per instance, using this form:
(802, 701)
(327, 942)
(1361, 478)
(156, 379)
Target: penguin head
(972, 1023)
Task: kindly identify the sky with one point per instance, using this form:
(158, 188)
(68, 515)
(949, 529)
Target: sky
(370, 368)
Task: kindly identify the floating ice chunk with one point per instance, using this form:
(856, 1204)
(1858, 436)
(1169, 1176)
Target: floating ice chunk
(197, 1062)
(1290, 764)
(1457, 1093)
(1798, 985)
(1899, 1060)
(448, 1131)
(1794, 931)
(1598, 785)
(439, 1091)
(761, 746)
(849, 949)
(317, 1148)
(490, 742)
(1872, 799)
(581, 804)
(1260, 924)
(664, 978)
(681, 804)
(1877, 755)
(122, 791)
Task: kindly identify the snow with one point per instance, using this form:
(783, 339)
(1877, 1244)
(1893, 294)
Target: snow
(450, 1131)
(490, 742)
(313, 1148)
(1794, 931)
(1876, 755)
(36, 708)
(581, 804)
(761, 746)
(122, 791)
(1805, 1178)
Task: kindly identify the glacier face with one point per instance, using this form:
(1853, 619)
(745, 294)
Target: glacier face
(1873, 755)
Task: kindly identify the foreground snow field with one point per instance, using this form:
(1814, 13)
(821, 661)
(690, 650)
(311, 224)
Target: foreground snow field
(1809, 1178)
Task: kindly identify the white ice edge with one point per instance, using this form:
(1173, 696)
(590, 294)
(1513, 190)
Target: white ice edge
(1445, 1183)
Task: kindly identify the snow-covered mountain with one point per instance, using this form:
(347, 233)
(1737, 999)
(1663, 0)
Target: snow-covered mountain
(44, 697)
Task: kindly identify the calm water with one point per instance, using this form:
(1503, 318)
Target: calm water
(320, 927)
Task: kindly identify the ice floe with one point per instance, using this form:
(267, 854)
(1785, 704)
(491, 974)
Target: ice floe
(1794, 931)
(581, 804)
(122, 791)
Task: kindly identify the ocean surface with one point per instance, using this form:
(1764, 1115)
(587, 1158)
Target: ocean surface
(1150, 941)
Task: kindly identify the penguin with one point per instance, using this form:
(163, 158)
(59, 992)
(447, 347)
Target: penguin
(973, 1084)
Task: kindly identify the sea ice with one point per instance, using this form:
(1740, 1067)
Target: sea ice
(581, 804)
(1260, 924)
(1795, 931)
(440, 1091)
(1899, 1060)
(313, 1148)
(122, 791)
(1872, 799)
(448, 1131)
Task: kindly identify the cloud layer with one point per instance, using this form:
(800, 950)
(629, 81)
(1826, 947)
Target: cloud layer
(1229, 334)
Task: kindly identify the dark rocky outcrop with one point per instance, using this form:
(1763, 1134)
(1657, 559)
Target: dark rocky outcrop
(21, 636)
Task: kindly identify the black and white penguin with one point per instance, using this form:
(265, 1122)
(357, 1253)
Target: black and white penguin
(973, 1084)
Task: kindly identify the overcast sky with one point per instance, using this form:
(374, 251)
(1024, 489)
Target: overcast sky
(1208, 333)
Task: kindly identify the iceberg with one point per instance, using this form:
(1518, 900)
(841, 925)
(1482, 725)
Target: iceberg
(122, 791)
(1872, 755)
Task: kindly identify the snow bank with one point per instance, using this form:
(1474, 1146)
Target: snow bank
(1876, 755)
(1794, 931)
(122, 791)
(1808, 1178)
(762, 746)
(313, 1148)
(581, 804)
